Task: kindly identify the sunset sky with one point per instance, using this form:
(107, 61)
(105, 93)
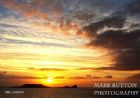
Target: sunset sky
(67, 42)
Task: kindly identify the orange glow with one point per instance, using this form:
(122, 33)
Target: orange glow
(62, 43)
(61, 28)
(49, 80)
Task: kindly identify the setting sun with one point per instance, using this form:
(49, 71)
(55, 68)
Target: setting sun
(49, 80)
(60, 43)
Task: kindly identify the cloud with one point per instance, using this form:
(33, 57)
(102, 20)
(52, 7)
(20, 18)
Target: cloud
(133, 8)
(135, 25)
(5, 75)
(8, 25)
(117, 39)
(108, 77)
(60, 77)
(76, 9)
(84, 16)
(2, 73)
(85, 68)
(77, 77)
(17, 41)
(96, 77)
(87, 76)
(48, 69)
(135, 77)
(25, 9)
(115, 21)
(42, 3)
(123, 44)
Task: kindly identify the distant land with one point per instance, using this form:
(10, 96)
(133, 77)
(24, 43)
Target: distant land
(41, 86)
(74, 86)
(33, 86)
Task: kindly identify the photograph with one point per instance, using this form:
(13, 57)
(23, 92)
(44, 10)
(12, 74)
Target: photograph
(69, 48)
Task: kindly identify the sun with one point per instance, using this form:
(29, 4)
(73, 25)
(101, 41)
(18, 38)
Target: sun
(49, 80)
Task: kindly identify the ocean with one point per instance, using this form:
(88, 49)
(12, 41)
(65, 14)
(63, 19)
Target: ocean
(53, 93)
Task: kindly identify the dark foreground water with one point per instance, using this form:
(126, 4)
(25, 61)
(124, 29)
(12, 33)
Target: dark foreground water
(55, 93)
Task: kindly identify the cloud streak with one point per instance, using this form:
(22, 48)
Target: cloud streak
(25, 9)
(135, 77)
(48, 69)
(5, 75)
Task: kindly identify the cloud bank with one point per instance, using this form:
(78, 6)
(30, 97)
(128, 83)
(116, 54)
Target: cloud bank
(123, 43)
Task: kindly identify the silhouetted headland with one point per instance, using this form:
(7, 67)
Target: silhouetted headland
(74, 86)
(33, 86)
(40, 86)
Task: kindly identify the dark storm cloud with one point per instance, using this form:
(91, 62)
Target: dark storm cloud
(115, 21)
(118, 39)
(133, 8)
(135, 25)
(84, 16)
(125, 47)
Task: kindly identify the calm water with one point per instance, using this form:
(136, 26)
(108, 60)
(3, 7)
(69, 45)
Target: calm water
(46, 93)
(52, 93)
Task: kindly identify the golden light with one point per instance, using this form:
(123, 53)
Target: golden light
(49, 80)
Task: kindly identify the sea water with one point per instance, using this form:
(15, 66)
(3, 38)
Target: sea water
(53, 93)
